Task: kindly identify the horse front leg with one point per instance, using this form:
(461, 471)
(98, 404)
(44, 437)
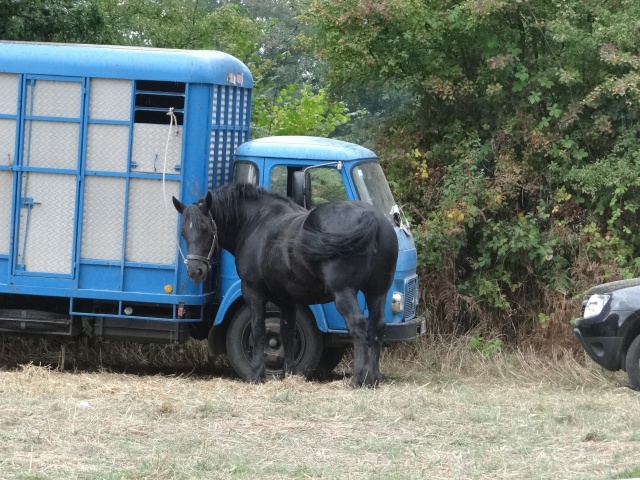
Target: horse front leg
(258, 334)
(347, 304)
(287, 335)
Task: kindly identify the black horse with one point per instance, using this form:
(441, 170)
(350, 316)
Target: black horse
(289, 255)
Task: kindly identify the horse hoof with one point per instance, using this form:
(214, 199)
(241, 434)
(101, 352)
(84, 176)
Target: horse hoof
(364, 384)
(367, 381)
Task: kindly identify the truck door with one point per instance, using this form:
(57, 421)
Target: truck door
(48, 171)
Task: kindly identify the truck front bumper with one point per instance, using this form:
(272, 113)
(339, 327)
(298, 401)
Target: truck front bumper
(393, 333)
(410, 330)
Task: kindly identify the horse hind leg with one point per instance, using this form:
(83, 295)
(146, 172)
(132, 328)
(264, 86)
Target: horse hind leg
(347, 305)
(376, 327)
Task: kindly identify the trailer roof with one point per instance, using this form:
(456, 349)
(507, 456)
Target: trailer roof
(135, 63)
(305, 148)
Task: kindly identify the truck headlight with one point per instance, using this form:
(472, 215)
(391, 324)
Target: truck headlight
(594, 305)
(397, 302)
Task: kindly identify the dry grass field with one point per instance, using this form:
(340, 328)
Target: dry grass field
(445, 412)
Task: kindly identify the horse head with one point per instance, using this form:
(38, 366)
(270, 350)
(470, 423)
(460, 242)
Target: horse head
(199, 232)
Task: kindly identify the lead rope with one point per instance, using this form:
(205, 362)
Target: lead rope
(172, 121)
(185, 259)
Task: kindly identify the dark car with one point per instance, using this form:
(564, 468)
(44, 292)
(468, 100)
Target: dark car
(609, 327)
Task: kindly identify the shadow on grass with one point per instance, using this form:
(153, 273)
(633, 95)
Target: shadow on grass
(189, 359)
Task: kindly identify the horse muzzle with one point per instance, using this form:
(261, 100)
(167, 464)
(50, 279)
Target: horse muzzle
(197, 268)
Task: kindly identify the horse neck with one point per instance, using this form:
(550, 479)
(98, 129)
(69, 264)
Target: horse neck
(225, 238)
(238, 218)
(233, 222)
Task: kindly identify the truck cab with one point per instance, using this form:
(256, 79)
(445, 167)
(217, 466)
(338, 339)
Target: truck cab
(315, 170)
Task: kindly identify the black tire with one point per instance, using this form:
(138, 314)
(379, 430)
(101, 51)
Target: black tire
(329, 360)
(308, 343)
(633, 363)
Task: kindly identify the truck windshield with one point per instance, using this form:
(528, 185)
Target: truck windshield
(372, 187)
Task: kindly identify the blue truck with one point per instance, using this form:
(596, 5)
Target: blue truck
(94, 141)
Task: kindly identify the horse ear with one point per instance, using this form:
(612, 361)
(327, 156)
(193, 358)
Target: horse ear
(179, 206)
(208, 200)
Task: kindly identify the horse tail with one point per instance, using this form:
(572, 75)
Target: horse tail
(362, 240)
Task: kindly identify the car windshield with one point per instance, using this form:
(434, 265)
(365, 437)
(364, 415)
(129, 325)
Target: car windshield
(373, 188)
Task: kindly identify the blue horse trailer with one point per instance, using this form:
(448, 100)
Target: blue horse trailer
(94, 141)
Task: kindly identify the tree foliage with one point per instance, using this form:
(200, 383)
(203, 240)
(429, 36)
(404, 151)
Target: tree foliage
(285, 57)
(187, 24)
(298, 111)
(521, 146)
(53, 21)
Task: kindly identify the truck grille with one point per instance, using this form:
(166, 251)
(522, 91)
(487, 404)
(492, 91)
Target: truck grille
(410, 297)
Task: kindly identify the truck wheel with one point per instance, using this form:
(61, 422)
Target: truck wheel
(633, 363)
(307, 343)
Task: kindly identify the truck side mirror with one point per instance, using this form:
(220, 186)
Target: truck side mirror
(301, 191)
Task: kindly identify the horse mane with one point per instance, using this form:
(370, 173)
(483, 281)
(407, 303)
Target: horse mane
(227, 197)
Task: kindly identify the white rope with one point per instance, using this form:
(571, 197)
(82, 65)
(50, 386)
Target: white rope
(172, 122)
(207, 259)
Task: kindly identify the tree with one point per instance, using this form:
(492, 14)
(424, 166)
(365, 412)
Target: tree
(183, 24)
(285, 55)
(517, 159)
(163, 23)
(298, 111)
(53, 21)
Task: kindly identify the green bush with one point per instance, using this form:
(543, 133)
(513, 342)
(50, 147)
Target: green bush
(518, 163)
